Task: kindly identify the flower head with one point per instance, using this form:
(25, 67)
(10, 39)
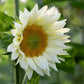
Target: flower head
(39, 40)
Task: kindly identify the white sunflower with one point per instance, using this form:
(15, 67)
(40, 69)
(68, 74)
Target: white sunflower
(39, 40)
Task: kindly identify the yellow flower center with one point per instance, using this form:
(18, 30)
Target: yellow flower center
(34, 41)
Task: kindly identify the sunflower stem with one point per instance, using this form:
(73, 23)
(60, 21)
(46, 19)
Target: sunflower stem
(16, 3)
(16, 71)
(17, 74)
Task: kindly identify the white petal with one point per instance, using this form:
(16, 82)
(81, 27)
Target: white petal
(40, 71)
(31, 63)
(48, 19)
(15, 54)
(47, 72)
(56, 17)
(18, 60)
(44, 19)
(66, 41)
(57, 45)
(22, 55)
(53, 65)
(64, 53)
(33, 15)
(21, 14)
(59, 24)
(33, 66)
(42, 11)
(23, 63)
(29, 72)
(24, 17)
(26, 11)
(14, 32)
(63, 30)
(50, 11)
(17, 40)
(62, 59)
(11, 48)
(41, 62)
(56, 42)
(51, 57)
(56, 51)
(18, 26)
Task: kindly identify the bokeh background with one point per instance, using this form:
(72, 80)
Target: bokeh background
(70, 72)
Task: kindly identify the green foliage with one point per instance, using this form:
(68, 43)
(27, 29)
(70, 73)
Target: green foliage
(79, 5)
(5, 40)
(77, 51)
(6, 73)
(6, 22)
(54, 1)
(6, 18)
(68, 65)
(30, 4)
(49, 1)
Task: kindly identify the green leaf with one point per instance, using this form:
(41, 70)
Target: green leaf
(79, 5)
(68, 65)
(77, 51)
(49, 1)
(30, 4)
(5, 40)
(4, 17)
(55, 1)
(34, 79)
(6, 22)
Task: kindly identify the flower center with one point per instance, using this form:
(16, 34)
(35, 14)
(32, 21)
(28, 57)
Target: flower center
(34, 41)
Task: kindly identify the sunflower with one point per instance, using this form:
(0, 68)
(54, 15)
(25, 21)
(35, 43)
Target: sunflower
(39, 40)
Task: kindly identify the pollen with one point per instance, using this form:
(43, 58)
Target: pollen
(34, 41)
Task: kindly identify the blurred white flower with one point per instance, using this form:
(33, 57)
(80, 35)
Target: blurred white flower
(2, 1)
(23, 1)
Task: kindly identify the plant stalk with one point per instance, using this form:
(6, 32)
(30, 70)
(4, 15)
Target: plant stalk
(16, 71)
(82, 20)
(16, 3)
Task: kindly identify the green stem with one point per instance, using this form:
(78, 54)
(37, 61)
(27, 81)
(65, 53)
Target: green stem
(17, 81)
(16, 2)
(82, 21)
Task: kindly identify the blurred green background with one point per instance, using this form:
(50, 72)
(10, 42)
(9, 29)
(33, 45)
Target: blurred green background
(70, 72)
